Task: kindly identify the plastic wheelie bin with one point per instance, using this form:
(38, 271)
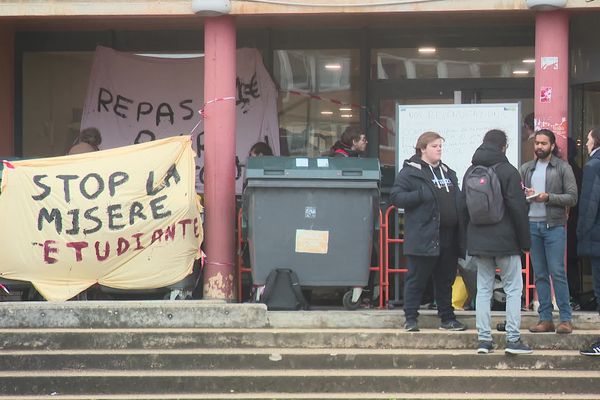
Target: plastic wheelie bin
(315, 216)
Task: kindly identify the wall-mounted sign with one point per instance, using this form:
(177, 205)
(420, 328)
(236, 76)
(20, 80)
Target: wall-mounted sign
(549, 63)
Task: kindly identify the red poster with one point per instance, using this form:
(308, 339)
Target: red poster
(545, 94)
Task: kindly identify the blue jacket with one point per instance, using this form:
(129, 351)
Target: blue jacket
(414, 192)
(588, 222)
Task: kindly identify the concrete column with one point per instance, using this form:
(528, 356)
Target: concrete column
(552, 74)
(219, 156)
(7, 90)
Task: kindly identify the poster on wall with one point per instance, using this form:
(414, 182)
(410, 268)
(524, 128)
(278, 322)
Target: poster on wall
(135, 99)
(545, 94)
(108, 217)
(549, 63)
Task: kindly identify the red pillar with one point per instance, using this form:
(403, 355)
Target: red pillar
(552, 75)
(219, 156)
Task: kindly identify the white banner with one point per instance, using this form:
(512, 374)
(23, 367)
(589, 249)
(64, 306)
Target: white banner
(134, 99)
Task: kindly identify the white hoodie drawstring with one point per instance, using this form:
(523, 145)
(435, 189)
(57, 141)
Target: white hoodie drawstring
(437, 180)
(444, 178)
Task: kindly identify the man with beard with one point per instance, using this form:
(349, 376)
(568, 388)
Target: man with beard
(550, 188)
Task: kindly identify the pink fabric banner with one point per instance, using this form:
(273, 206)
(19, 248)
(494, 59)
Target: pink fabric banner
(134, 99)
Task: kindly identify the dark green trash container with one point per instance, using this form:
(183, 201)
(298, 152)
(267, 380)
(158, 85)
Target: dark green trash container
(315, 216)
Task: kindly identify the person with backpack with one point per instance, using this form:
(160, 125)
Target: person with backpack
(428, 191)
(496, 237)
(551, 189)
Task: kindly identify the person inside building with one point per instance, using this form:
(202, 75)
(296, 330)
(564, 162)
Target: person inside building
(573, 270)
(428, 191)
(352, 143)
(527, 134)
(499, 245)
(551, 190)
(260, 149)
(88, 140)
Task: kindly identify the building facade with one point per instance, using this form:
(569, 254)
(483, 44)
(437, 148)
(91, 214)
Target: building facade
(370, 55)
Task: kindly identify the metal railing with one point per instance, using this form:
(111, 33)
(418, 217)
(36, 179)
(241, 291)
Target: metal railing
(388, 239)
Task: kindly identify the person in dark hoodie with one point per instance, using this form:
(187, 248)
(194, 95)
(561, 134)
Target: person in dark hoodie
(499, 245)
(352, 143)
(428, 192)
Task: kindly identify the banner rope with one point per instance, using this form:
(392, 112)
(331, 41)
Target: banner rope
(370, 115)
(202, 111)
(8, 164)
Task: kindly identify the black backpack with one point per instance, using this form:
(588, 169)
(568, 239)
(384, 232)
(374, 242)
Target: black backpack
(483, 192)
(283, 291)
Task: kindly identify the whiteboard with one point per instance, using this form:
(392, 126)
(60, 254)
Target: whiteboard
(462, 126)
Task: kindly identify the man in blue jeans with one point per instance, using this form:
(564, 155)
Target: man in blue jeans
(499, 245)
(551, 189)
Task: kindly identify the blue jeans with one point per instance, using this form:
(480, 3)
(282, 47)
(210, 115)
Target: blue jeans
(548, 260)
(512, 281)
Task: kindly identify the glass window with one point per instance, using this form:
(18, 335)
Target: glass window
(54, 89)
(310, 125)
(587, 117)
(591, 103)
(461, 62)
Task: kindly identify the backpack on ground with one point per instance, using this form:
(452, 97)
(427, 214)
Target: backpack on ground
(485, 202)
(283, 291)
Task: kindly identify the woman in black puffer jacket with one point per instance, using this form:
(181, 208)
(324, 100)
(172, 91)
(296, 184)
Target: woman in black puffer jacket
(428, 192)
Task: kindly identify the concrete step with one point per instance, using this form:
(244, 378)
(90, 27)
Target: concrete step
(132, 314)
(214, 314)
(286, 358)
(54, 339)
(93, 382)
(321, 395)
(377, 319)
(201, 350)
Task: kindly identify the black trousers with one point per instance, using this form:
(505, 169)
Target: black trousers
(443, 268)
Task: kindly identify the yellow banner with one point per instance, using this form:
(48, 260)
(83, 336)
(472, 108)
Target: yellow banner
(126, 218)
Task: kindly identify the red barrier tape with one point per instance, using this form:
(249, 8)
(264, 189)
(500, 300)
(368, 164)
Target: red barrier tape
(8, 164)
(341, 103)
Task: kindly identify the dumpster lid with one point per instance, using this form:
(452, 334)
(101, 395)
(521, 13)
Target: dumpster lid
(322, 168)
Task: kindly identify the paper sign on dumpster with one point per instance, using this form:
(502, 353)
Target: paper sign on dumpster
(311, 241)
(126, 218)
